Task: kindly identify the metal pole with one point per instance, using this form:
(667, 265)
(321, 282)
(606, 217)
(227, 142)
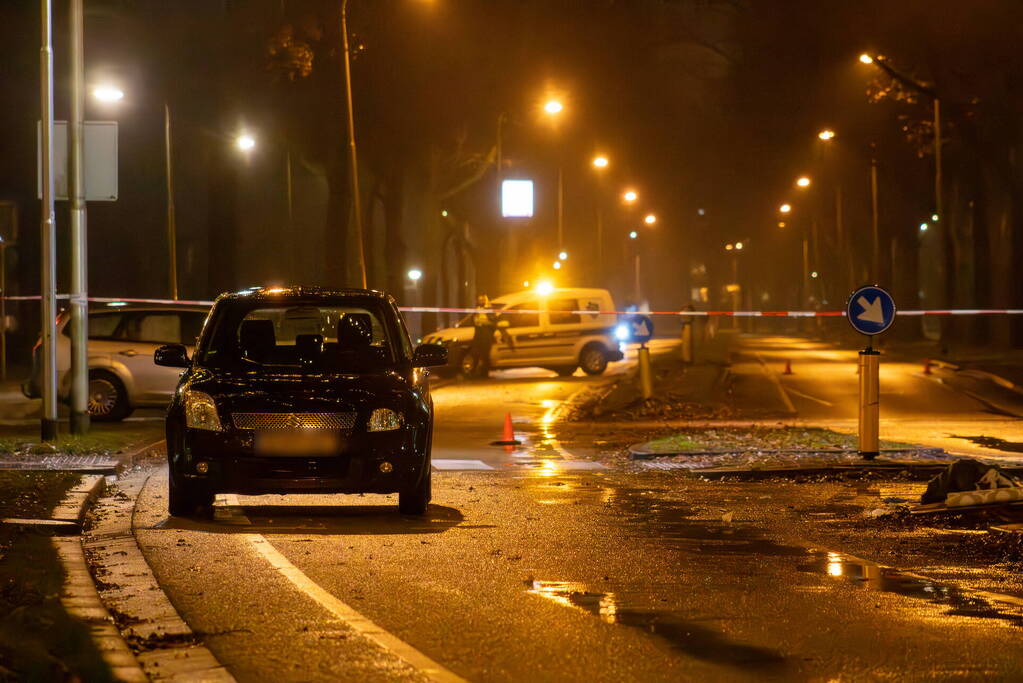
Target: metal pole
(638, 292)
(48, 285)
(561, 209)
(79, 232)
(937, 159)
(353, 158)
(600, 242)
(3, 309)
(870, 403)
(875, 231)
(172, 229)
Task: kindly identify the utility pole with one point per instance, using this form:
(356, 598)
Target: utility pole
(172, 228)
(875, 243)
(353, 159)
(48, 270)
(79, 232)
(561, 207)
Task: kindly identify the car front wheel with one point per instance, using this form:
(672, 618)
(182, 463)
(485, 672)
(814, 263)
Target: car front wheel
(189, 499)
(415, 500)
(593, 359)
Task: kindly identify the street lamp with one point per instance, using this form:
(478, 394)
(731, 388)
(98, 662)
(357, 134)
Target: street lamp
(785, 208)
(557, 265)
(633, 235)
(866, 59)
(650, 219)
(630, 196)
(803, 181)
(826, 134)
(600, 162)
(415, 274)
(245, 142)
(553, 107)
(562, 255)
(738, 245)
(729, 246)
(107, 93)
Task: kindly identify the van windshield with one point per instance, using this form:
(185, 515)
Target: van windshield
(313, 337)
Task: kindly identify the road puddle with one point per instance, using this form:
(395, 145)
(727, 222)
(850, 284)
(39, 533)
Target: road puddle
(889, 580)
(640, 610)
(993, 442)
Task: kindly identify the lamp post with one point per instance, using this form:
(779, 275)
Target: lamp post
(600, 163)
(353, 159)
(48, 250)
(554, 108)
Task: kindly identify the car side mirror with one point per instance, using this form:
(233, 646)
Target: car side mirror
(172, 356)
(430, 355)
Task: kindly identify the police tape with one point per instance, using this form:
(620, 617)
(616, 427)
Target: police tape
(115, 301)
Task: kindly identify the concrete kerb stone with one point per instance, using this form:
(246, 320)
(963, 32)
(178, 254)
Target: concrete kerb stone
(67, 518)
(164, 645)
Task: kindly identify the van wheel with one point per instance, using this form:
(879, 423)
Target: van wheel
(593, 359)
(108, 400)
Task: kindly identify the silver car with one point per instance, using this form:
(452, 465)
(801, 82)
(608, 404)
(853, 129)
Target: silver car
(122, 339)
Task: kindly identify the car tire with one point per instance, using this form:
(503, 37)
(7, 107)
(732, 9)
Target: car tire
(414, 501)
(565, 370)
(108, 399)
(189, 499)
(593, 359)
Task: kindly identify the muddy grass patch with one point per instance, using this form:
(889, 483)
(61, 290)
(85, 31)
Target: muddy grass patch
(22, 442)
(38, 639)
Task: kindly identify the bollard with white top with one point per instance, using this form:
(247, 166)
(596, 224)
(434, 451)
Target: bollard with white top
(871, 311)
(641, 330)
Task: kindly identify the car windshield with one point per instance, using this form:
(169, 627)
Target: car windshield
(306, 337)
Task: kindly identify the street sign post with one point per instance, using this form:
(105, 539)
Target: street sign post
(870, 310)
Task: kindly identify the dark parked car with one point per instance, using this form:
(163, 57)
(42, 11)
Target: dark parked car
(301, 390)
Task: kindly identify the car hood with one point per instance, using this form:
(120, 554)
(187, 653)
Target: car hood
(262, 392)
(450, 334)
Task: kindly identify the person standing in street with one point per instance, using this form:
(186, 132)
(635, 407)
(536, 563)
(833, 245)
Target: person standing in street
(485, 323)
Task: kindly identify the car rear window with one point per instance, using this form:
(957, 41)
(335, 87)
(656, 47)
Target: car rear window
(314, 337)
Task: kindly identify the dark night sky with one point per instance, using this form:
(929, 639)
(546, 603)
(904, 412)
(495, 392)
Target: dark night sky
(710, 104)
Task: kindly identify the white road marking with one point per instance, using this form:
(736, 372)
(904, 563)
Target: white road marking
(809, 397)
(773, 376)
(442, 464)
(353, 619)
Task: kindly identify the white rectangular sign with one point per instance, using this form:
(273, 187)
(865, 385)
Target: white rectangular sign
(517, 198)
(99, 169)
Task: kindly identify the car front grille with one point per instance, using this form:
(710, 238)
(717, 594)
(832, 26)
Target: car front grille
(268, 421)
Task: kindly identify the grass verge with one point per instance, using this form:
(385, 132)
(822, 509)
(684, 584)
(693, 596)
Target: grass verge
(103, 438)
(757, 438)
(39, 641)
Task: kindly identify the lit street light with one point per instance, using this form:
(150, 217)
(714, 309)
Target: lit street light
(415, 274)
(108, 93)
(738, 245)
(826, 134)
(245, 142)
(650, 219)
(600, 162)
(630, 196)
(803, 181)
(866, 59)
(557, 265)
(553, 107)
(923, 227)
(562, 255)
(633, 235)
(729, 246)
(785, 208)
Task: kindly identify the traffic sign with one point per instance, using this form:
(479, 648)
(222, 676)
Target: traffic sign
(871, 310)
(99, 164)
(641, 328)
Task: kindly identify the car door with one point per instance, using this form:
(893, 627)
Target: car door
(526, 332)
(144, 332)
(563, 327)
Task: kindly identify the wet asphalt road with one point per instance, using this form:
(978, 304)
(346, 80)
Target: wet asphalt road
(535, 565)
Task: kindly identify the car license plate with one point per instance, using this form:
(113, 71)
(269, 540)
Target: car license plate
(298, 442)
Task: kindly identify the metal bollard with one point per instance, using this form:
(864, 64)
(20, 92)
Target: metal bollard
(687, 342)
(646, 384)
(870, 403)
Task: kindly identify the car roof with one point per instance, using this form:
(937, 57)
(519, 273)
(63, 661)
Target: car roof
(528, 294)
(303, 293)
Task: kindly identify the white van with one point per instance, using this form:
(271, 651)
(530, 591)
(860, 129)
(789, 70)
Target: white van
(554, 331)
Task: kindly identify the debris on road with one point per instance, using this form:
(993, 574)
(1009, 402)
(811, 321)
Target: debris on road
(969, 482)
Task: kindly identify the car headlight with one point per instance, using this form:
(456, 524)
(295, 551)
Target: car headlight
(201, 411)
(384, 420)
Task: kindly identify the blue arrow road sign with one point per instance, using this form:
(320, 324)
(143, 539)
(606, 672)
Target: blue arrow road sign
(871, 310)
(642, 328)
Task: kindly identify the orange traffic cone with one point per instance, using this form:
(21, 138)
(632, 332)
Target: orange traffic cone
(927, 366)
(508, 438)
(788, 368)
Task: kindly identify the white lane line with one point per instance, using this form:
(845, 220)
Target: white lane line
(773, 377)
(458, 464)
(809, 397)
(358, 623)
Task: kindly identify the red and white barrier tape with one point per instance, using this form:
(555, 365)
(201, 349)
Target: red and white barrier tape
(682, 314)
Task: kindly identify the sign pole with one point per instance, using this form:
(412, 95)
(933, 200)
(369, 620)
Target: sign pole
(870, 401)
(48, 270)
(79, 245)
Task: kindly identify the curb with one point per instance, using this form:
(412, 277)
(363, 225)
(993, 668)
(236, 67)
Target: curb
(165, 647)
(639, 452)
(67, 518)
